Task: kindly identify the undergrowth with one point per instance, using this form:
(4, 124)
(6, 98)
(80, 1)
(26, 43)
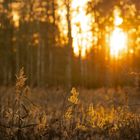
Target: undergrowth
(21, 118)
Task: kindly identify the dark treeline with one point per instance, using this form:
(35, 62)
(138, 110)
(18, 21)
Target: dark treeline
(34, 41)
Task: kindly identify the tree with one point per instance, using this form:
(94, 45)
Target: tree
(69, 46)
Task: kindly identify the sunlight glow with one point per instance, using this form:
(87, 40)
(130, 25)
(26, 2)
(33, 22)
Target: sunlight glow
(118, 42)
(118, 38)
(117, 19)
(81, 26)
(16, 18)
(81, 32)
(15, 13)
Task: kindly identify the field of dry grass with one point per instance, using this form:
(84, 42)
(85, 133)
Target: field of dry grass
(80, 114)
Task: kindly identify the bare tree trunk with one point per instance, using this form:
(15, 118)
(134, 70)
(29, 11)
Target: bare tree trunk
(38, 66)
(31, 67)
(5, 71)
(69, 50)
(50, 65)
(52, 46)
(38, 57)
(42, 72)
(17, 51)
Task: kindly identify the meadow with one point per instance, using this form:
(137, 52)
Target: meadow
(59, 114)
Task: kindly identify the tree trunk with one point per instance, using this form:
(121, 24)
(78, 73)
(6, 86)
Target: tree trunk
(69, 48)
(38, 57)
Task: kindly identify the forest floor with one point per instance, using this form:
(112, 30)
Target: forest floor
(81, 114)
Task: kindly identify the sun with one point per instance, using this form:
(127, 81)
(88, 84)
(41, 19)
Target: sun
(118, 38)
(118, 42)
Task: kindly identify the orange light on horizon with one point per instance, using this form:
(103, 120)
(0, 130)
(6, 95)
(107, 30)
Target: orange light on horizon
(118, 42)
(118, 38)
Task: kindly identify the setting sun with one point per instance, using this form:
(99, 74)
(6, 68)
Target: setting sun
(118, 42)
(118, 38)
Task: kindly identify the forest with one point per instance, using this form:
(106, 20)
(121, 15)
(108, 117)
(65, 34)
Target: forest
(70, 70)
(57, 48)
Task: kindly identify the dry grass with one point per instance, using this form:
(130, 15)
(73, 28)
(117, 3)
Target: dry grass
(52, 114)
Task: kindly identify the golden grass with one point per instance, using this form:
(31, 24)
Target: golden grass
(72, 118)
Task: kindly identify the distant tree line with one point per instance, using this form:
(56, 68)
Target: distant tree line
(30, 37)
